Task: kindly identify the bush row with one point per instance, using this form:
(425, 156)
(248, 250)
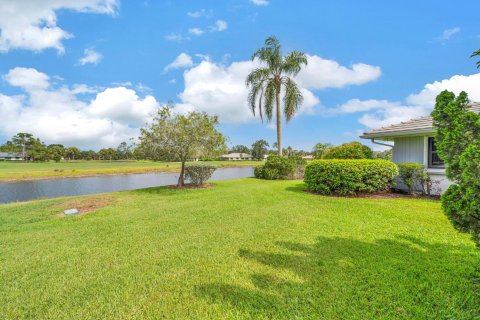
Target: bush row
(281, 168)
(347, 177)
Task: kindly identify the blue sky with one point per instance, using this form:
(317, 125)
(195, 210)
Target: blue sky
(371, 63)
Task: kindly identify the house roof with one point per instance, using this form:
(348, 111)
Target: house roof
(9, 155)
(418, 126)
(237, 155)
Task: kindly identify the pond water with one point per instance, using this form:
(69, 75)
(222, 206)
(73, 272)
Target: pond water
(28, 190)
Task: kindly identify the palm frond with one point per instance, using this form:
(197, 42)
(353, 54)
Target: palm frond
(476, 54)
(292, 100)
(270, 93)
(294, 62)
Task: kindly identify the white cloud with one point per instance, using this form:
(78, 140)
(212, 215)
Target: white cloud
(259, 2)
(220, 89)
(448, 33)
(219, 26)
(378, 113)
(176, 37)
(58, 115)
(183, 60)
(200, 13)
(90, 56)
(32, 24)
(196, 31)
(323, 73)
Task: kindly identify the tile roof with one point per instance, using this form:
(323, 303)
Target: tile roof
(423, 125)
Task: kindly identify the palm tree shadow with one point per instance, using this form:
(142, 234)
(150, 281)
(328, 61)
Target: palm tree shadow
(347, 278)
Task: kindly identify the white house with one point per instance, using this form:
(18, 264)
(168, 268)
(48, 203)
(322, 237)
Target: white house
(413, 141)
(237, 156)
(10, 156)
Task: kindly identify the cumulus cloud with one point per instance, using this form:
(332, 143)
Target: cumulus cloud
(220, 89)
(183, 60)
(200, 13)
(59, 115)
(90, 56)
(259, 2)
(32, 24)
(219, 26)
(196, 31)
(378, 113)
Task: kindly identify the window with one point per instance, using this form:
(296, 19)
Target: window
(433, 160)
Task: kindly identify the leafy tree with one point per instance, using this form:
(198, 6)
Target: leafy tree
(9, 146)
(181, 137)
(38, 151)
(458, 144)
(260, 149)
(72, 153)
(267, 84)
(240, 149)
(319, 149)
(476, 54)
(56, 152)
(352, 150)
(107, 153)
(88, 155)
(385, 155)
(23, 141)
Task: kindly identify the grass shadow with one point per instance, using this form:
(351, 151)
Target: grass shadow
(339, 278)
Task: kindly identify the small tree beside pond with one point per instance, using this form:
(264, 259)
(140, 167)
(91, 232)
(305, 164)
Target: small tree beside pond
(198, 174)
(181, 137)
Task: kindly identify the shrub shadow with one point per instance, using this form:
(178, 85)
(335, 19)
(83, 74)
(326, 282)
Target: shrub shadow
(339, 278)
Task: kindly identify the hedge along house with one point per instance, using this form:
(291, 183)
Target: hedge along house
(414, 141)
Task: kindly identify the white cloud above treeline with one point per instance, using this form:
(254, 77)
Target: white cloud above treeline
(59, 115)
(32, 24)
(377, 113)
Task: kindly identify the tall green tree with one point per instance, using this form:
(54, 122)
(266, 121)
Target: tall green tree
(476, 54)
(72, 153)
(240, 149)
(23, 141)
(56, 152)
(458, 145)
(268, 84)
(260, 149)
(319, 149)
(177, 137)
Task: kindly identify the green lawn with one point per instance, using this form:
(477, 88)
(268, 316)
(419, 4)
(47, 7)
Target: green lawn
(10, 170)
(245, 249)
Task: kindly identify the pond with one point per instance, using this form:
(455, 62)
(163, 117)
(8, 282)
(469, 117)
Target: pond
(28, 190)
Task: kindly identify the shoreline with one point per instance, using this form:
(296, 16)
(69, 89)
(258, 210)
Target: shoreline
(98, 174)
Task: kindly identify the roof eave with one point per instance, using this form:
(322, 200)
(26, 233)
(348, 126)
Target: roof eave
(395, 134)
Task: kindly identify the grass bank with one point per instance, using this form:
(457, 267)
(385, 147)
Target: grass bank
(16, 171)
(245, 249)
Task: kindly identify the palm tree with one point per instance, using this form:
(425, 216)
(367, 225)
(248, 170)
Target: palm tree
(266, 84)
(476, 54)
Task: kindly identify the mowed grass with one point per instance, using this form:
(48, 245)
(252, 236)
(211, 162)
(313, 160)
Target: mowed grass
(10, 170)
(244, 249)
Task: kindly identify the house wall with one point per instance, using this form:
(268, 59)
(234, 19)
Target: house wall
(415, 149)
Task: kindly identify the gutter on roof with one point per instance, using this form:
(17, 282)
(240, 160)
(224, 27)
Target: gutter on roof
(392, 134)
(381, 143)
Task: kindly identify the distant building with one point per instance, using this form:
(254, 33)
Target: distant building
(236, 156)
(308, 158)
(10, 156)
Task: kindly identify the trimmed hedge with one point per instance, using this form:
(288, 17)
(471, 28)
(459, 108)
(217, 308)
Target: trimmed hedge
(348, 177)
(281, 168)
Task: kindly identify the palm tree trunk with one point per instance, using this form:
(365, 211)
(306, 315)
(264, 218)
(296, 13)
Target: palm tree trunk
(181, 179)
(279, 126)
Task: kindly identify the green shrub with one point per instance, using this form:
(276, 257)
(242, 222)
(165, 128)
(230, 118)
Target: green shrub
(281, 168)
(352, 150)
(199, 173)
(408, 173)
(347, 177)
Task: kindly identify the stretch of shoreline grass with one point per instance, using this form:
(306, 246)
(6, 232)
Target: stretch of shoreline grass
(16, 171)
(244, 249)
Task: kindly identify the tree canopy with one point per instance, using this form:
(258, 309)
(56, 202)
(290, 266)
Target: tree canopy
(352, 150)
(260, 149)
(182, 137)
(458, 145)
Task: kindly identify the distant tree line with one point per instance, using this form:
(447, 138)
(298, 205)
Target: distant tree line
(32, 148)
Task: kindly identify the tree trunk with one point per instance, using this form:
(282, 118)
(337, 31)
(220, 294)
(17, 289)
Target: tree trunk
(181, 180)
(279, 126)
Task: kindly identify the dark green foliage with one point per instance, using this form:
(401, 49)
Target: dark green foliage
(281, 168)
(458, 144)
(240, 149)
(320, 149)
(352, 150)
(476, 54)
(408, 172)
(199, 173)
(347, 177)
(259, 149)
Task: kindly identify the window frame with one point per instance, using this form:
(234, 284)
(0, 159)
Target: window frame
(431, 150)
